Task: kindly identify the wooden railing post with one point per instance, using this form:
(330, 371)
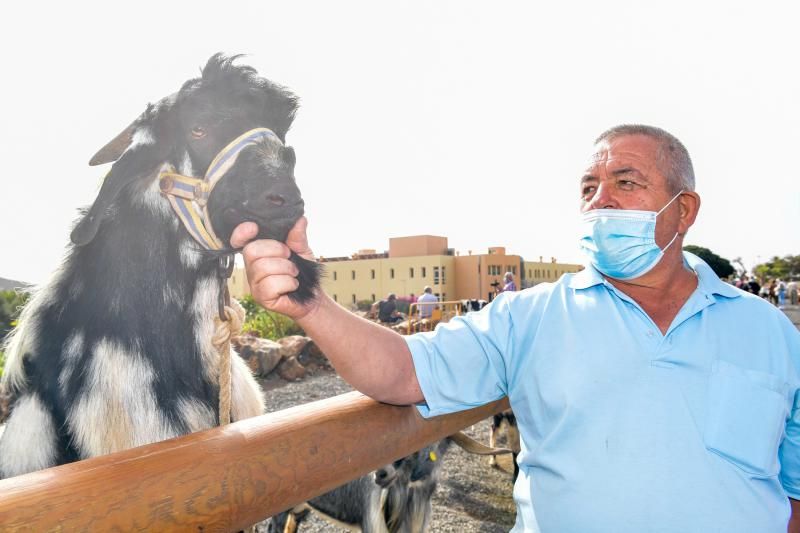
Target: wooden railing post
(226, 478)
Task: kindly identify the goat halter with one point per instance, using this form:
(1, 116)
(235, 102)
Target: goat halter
(189, 196)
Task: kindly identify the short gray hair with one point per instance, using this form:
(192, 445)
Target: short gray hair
(673, 157)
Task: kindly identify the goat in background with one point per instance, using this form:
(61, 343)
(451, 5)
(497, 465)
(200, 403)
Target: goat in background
(394, 499)
(114, 351)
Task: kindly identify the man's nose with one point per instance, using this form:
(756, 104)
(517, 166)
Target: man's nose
(603, 197)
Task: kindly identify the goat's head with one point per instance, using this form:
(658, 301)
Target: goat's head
(188, 129)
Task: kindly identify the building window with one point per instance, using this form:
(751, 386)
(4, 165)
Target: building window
(444, 279)
(436, 276)
(529, 273)
(352, 274)
(354, 298)
(514, 270)
(372, 273)
(424, 272)
(436, 293)
(444, 296)
(335, 299)
(373, 297)
(411, 272)
(494, 270)
(391, 273)
(334, 275)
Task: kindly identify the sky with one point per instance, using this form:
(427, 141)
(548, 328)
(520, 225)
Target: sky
(466, 119)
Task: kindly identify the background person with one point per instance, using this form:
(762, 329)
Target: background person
(387, 310)
(427, 302)
(508, 282)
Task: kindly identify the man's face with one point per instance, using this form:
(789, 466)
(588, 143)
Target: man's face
(624, 174)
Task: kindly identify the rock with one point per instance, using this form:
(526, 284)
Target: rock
(261, 355)
(401, 327)
(313, 359)
(292, 345)
(291, 370)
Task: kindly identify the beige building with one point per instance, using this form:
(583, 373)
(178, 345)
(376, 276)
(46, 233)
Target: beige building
(416, 261)
(546, 272)
(410, 264)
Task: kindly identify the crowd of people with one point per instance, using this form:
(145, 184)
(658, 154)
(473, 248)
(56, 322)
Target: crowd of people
(776, 290)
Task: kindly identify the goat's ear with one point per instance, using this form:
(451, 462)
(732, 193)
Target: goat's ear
(115, 147)
(134, 161)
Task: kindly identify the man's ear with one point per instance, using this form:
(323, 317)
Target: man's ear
(689, 202)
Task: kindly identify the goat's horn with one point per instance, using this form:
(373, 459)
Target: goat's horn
(114, 148)
(470, 445)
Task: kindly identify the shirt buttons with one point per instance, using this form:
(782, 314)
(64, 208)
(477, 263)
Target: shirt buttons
(650, 333)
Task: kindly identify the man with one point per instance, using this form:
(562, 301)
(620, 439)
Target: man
(387, 310)
(650, 395)
(427, 302)
(508, 281)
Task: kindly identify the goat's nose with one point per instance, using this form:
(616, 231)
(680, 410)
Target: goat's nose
(275, 199)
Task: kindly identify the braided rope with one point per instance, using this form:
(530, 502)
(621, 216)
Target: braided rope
(221, 340)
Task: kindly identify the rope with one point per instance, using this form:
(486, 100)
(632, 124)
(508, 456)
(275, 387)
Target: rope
(221, 340)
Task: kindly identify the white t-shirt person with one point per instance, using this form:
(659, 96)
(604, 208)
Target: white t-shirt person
(425, 302)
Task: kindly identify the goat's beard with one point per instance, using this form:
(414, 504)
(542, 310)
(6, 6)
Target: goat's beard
(308, 277)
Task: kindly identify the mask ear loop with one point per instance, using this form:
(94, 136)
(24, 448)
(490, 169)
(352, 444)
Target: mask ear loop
(673, 199)
(664, 249)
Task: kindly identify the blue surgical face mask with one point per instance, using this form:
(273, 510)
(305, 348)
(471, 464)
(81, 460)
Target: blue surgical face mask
(621, 243)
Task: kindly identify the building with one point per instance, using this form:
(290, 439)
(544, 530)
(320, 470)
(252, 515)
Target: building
(413, 262)
(545, 272)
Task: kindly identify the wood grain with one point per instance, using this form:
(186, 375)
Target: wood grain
(227, 478)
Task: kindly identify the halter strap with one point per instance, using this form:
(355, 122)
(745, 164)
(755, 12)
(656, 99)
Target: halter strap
(189, 196)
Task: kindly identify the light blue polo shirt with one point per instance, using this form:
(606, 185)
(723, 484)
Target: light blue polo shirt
(623, 429)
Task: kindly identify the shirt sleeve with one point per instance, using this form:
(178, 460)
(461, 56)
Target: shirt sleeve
(462, 364)
(789, 453)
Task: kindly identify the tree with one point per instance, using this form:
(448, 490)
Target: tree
(779, 267)
(721, 266)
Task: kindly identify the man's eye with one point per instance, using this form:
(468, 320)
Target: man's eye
(588, 191)
(198, 132)
(626, 185)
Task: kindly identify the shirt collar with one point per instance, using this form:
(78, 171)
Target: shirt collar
(707, 281)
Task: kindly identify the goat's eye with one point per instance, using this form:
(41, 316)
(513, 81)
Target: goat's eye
(198, 132)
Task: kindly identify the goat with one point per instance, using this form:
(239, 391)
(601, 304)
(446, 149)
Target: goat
(512, 437)
(468, 306)
(115, 350)
(394, 499)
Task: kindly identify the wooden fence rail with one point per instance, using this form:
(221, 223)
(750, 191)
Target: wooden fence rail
(226, 478)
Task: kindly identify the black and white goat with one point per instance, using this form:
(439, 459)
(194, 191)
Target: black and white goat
(115, 350)
(394, 499)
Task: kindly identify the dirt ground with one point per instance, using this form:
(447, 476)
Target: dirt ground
(471, 496)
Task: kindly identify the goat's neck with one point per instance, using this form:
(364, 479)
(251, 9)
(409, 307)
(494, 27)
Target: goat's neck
(143, 260)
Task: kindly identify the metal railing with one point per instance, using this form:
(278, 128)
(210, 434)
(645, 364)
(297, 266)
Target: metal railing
(423, 316)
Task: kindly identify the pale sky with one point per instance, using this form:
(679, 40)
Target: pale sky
(465, 119)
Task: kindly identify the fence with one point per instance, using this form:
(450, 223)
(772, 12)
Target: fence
(425, 316)
(226, 478)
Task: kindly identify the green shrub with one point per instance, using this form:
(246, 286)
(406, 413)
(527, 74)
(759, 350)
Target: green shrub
(364, 305)
(11, 303)
(2, 363)
(266, 324)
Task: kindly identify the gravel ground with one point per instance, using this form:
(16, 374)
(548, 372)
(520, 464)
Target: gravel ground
(471, 497)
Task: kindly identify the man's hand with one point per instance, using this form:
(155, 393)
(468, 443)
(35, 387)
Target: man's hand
(270, 273)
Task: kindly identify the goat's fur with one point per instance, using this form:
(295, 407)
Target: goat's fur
(114, 351)
(393, 499)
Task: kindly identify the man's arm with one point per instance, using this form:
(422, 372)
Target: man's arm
(794, 521)
(373, 359)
